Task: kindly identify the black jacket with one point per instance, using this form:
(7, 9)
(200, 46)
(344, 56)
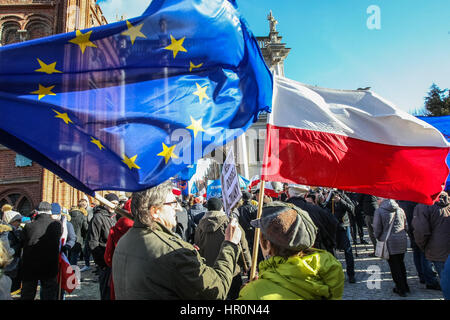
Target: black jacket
(185, 225)
(341, 209)
(197, 212)
(41, 248)
(325, 222)
(98, 233)
(408, 208)
(369, 205)
(248, 212)
(357, 201)
(15, 238)
(80, 225)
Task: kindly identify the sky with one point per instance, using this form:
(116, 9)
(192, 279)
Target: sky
(399, 50)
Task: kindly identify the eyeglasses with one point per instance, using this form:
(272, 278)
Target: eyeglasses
(173, 204)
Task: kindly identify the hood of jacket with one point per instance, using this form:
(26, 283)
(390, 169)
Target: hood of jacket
(75, 214)
(102, 210)
(443, 200)
(300, 277)
(123, 225)
(4, 228)
(389, 205)
(212, 220)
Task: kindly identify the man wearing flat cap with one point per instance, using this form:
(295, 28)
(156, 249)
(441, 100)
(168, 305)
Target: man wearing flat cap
(98, 232)
(292, 269)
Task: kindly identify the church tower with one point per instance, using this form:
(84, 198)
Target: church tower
(251, 144)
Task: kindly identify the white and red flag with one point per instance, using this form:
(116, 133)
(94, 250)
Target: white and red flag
(269, 190)
(352, 140)
(67, 278)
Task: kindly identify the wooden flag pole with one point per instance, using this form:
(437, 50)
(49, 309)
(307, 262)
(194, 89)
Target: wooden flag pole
(120, 211)
(257, 233)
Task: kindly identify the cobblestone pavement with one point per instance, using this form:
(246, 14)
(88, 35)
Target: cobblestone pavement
(374, 280)
(368, 286)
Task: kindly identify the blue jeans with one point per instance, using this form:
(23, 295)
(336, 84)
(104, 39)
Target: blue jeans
(423, 266)
(439, 266)
(445, 280)
(87, 254)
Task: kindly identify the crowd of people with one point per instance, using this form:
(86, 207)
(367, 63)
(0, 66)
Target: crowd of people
(167, 247)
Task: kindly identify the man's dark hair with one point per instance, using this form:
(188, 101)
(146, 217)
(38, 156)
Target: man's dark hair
(214, 204)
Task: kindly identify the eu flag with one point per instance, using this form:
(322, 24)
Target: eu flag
(128, 105)
(443, 125)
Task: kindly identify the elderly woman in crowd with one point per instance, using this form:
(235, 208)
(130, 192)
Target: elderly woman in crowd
(389, 213)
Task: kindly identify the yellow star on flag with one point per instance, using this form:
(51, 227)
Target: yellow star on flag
(47, 68)
(44, 91)
(82, 39)
(97, 143)
(193, 66)
(167, 153)
(133, 32)
(176, 45)
(130, 162)
(201, 92)
(63, 116)
(196, 126)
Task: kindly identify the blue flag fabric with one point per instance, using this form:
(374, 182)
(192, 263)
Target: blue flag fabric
(443, 125)
(194, 189)
(214, 189)
(128, 105)
(243, 183)
(187, 173)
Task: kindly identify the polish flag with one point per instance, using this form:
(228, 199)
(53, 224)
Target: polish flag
(67, 278)
(268, 188)
(354, 141)
(176, 191)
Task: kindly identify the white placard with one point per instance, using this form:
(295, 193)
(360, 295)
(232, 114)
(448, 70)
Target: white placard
(231, 192)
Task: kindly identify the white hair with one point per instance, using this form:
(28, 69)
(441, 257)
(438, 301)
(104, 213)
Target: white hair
(295, 192)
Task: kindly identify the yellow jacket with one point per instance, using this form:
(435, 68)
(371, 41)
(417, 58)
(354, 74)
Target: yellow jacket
(318, 275)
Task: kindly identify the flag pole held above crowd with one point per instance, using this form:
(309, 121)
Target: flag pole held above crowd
(257, 232)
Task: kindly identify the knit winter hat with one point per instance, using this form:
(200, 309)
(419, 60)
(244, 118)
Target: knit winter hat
(6, 207)
(286, 225)
(198, 199)
(214, 204)
(11, 216)
(112, 197)
(246, 196)
(45, 207)
(56, 208)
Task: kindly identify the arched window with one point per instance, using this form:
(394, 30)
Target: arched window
(38, 29)
(9, 33)
(18, 200)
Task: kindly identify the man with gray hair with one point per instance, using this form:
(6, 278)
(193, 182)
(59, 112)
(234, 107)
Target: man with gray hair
(152, 262)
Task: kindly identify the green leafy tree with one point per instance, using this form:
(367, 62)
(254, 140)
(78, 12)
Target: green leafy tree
(437, 103)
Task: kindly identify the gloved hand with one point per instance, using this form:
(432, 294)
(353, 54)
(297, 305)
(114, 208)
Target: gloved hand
(65, 249)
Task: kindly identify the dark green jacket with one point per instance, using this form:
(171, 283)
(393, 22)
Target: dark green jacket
(156, 264)
(210, 234)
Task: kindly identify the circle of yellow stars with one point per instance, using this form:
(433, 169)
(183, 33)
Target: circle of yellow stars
(83, 40)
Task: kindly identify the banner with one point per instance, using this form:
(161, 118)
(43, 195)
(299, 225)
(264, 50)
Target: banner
(231, 191)
(214, 189)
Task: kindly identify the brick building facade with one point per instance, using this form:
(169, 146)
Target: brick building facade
(24, 183)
